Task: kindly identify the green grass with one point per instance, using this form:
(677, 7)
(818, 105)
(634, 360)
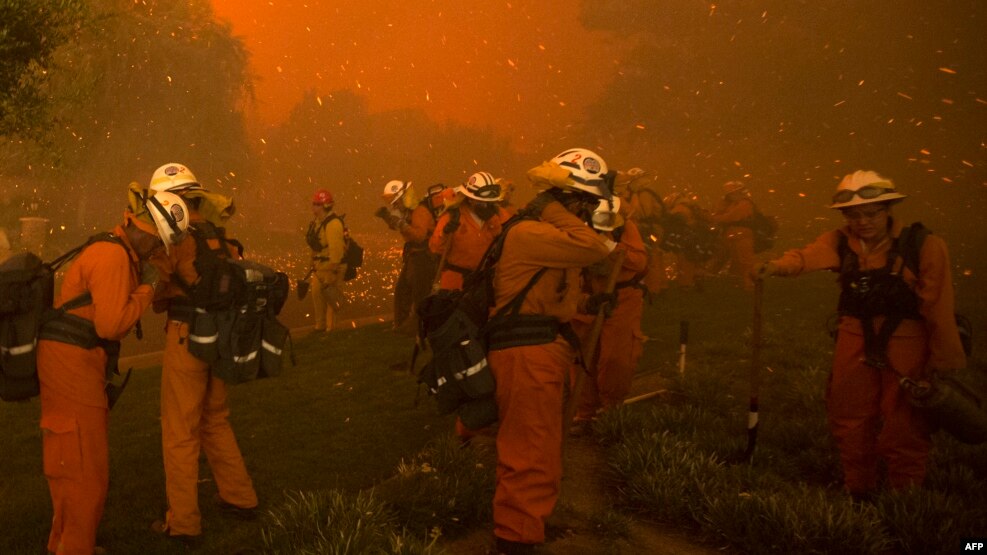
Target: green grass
(343, 463)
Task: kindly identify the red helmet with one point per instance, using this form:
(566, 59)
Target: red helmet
(322, 197)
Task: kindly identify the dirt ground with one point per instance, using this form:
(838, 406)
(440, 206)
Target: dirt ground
(570, 530)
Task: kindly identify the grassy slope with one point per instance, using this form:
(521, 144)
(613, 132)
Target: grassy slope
(340, 419)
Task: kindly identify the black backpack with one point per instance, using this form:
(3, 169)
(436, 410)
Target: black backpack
(765, 230)
(353, 253)
(454, 323)
(27, 293)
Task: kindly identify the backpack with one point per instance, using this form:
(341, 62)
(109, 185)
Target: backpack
(696, 243)
(455, 324)
(765, 229)
(353, 252)
(236, 302)
(27, 293)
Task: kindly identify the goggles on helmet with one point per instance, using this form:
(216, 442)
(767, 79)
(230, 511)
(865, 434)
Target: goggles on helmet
(604, 220)
(866, 192)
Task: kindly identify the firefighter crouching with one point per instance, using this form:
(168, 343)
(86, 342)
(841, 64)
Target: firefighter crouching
(326, 239)
(194, 413)
(78, 349)
(416, 222)
(892, 323)
(621, 339)
(529, 356)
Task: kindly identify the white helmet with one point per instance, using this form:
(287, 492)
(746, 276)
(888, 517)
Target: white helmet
(395, 189)
(170, 215)
(174, 178)
(606, 216)
(586, 170)
(483, 187)
(864, 187)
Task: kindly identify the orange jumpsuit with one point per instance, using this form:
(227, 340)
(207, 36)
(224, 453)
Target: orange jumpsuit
(646, 209)
(466, 245)
(620, 342)
(74, 413)
(869, 415)
(194, 417)
(738, 238)
(687, 270)
(419, 265)
(530, 379)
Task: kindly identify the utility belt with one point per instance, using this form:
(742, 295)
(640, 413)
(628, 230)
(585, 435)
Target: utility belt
(635, 283)
(76, 330)
(521, 330)
(180, 309)
(458, 269)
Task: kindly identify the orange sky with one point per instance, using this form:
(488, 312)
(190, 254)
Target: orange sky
(513, 66)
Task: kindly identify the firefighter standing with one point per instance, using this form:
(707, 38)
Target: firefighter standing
(326, 238)
(892, 323)
(194, 412)
(644, 207)
(466, 229)
(73, 376)
(733, 216)
(415, 222)
(689, 272)
(530, 368)
(621, 339)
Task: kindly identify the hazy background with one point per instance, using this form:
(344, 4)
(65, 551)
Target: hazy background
(270, 99)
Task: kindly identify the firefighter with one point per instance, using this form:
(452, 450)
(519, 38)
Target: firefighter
(326, 238)
(733, 216)
(194, 412)
(689, 272)
(416, 222)
(73, 373)
(528, 353)
(467, 227)
(644, 206)
(621, 339)
(892, 323)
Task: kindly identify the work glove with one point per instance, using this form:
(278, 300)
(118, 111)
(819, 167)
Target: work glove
(606, 301)
(150, 274)
(763, 270)
(538, 204)
(453, 224)
(383, 213)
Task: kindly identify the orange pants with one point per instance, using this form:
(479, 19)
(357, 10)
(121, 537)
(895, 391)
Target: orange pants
(870, 417)
(77, 466)
(530, 381)
(618, 353)
(740, 249)
(194, 416)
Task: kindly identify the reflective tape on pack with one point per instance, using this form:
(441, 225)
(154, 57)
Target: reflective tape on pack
(476, 368)
(245, 358)
(268, 347)
(19, 349)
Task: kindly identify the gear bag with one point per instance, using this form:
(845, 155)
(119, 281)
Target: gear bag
(764, 228)
(27, 293)
(455, 324)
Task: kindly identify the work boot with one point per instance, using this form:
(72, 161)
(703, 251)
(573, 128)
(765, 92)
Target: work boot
(232, 510)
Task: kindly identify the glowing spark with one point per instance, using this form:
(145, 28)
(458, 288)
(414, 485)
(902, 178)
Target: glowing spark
(947, 70)
(861, 82)
(263, 141)
(319, 100)
(965, 163)
(279, 69)
(541, 47)
(169, 78)
(838, 103)
(925, 152)
(639, 126)
(802, 195)
(511, 63)
(947, 101)
(947, 180)
(712, 8)
(428, 97)
(905, 96)
(736, 163)
(968, 272)
(561, 103)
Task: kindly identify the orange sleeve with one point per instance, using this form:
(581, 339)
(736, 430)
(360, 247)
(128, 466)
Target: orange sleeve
(420, 226)
(821, 254)
(935, 289)
(567, 243)
(438, 241)
(636, 259)
(117, 299)
(736, 212)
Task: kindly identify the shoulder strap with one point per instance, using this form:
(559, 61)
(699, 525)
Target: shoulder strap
(84, 298)
(848, 259)
(910, 243)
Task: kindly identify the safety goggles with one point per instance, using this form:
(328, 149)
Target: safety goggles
(604, 220)
(866, 192)
(488, 192)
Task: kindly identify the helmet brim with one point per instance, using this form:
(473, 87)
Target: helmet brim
(466, 193)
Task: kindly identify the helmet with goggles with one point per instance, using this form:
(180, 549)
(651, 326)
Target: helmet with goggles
(607, 216)
(481, 186)
(864, 187)
(587, 171)
(170, 216)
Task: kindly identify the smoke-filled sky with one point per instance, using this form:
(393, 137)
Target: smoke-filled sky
(513, 66)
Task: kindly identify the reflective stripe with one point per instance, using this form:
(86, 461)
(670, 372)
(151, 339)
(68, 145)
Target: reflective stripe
(245, 358)
(203, 339)
(20, 349)
(476, 368)
(270, 347)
